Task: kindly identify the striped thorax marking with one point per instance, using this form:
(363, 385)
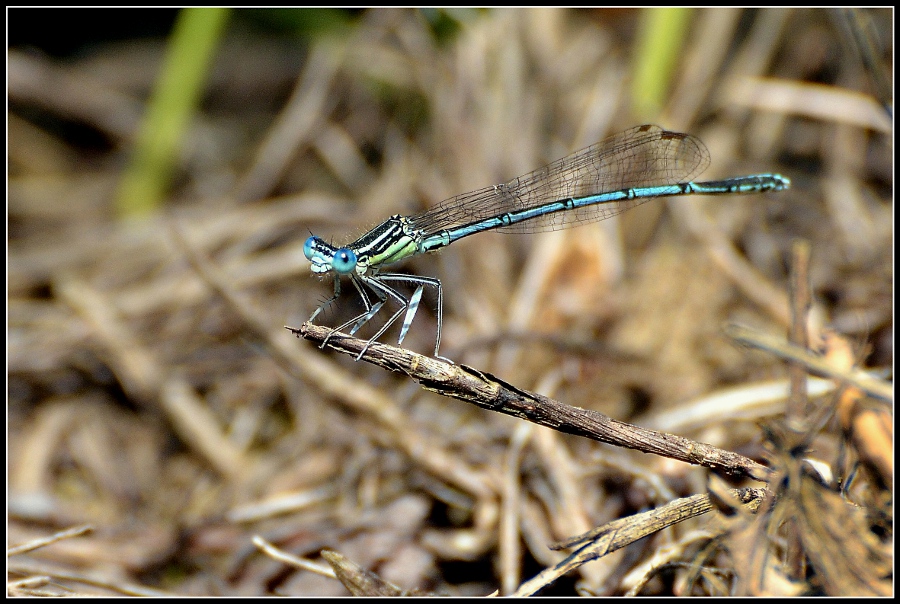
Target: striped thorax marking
(390, 242)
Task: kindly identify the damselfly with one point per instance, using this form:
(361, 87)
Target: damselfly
(595, 183)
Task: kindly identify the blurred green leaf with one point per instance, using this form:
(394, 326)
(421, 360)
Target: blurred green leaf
(657, 52)
(170, 109)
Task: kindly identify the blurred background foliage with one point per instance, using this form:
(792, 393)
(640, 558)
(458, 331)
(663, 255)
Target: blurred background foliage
(166, 406)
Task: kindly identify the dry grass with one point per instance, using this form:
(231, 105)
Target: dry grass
(175, 415)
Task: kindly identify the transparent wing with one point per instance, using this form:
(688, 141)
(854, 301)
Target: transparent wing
(644, 156)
